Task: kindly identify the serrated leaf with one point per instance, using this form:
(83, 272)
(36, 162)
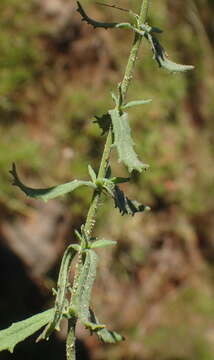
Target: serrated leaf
(162, 59)
(125, 205)
(104, 122)
(104, 334)
(136, 103)
(92, 174)
(48, 193)
(62, 286)
(102, 243)
(20, 330)
(81, 298)
(124, 143)
(92, 22)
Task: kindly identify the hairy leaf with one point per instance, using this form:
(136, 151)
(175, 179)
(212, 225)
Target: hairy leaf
(48, 193)
(81, 298)
(136, 103)
(62, 287)
(105, 25)
(104, 334)
(125, 205)
(20, 330)
(124, 143)
(162, 59)
(102, 243)
(172, 66)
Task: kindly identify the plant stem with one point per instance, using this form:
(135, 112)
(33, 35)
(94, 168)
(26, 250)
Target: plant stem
(144, 11)
(91, 216)
(134, 51)
(70, 341)
(90, 220)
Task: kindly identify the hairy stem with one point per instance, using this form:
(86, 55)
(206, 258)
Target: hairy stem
(90, 220)
(134, 51)
(91, 216)
(144, 11)
(70, 341)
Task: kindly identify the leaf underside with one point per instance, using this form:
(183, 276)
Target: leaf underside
(124, 142)
(20, 330)
(51, 192)
(86, 279)
(162, 59)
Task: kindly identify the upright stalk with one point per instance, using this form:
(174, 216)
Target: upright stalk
(70, 341)
(144, 11)
(91, 216)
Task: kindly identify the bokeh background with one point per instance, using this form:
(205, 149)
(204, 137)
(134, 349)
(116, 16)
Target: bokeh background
(157, 285)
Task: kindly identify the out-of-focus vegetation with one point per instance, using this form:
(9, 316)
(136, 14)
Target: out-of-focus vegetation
(56, 73)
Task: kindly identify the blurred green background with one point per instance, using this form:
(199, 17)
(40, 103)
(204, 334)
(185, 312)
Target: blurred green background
(56, 73)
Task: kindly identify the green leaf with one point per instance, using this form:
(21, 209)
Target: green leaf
(102, 243)
(104, 122)
(81, 299)
(92, 174)
(104, 334)
(172, 66)
(162, 59)
(48, 193)
(114, 97)
(125, 205)
(108, 336)
(124, 143)
(20, 330)
(136, 103)
(76, 247)
(62, 287)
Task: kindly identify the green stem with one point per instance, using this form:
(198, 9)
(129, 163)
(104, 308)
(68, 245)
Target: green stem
(90, 220)
(91, 216)
(70, 341)
(134, 51)
(144, 11)
(130, 65)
